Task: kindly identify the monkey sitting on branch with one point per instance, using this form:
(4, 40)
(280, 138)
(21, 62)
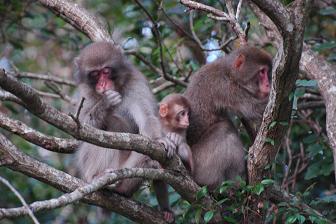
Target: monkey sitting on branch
(240, 83)
(117, 99)
(174, 111)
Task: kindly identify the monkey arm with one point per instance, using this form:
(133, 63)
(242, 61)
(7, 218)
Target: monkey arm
(185, 154)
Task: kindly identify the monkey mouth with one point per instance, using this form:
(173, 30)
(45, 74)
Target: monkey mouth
(184, 126)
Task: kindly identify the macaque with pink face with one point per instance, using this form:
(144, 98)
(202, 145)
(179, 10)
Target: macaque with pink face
(238, 82)
(174, 112)
(117, 99)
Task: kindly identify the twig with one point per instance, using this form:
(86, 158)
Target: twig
(25, 205)
(49, 78)
(156, 33)
(146, 62)
(79, 108)
(238, 9)
(191, 24)
(220, 15)
(56, 90)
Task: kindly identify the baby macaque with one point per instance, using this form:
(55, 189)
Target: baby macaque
(174, 114)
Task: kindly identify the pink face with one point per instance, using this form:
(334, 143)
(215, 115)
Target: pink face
(104, 81)
(182, 116)
(264, 83)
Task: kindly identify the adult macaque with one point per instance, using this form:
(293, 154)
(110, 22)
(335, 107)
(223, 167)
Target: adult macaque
(238, 82)
(117, 99)
(174, 112)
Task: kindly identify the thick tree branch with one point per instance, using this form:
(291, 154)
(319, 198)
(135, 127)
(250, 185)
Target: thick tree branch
(123, 141)
(319, 69)
(78, 17)
(279, 107)
(82, 191)
(14, 159)
(54, 144)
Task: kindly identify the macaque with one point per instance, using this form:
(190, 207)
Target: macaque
(174, 112)
(240, 83)
(117, 99)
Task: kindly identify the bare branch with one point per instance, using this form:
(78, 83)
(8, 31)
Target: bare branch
(238, 9)
(18, 161)
(6, 96)
(50, 143)
(319, 69)
(50, 78)
(220, 15)
(25, 206)
(157, 36)
(78, 194)
(78, 17)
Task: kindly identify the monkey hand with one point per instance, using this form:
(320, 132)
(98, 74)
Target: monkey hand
(112, 98)
(169, 145)
(177, 139)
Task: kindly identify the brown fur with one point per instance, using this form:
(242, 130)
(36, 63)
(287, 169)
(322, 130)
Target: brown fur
(136, 113)
(169, 124)
(217, 87)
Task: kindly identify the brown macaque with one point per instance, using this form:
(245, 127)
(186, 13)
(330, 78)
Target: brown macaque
(240, 83)
(174, 112)
(117, 99)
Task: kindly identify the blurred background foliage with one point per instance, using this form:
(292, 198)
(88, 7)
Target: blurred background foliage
(33, 39)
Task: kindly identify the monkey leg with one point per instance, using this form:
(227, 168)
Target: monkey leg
(129, 186)
(218, 155)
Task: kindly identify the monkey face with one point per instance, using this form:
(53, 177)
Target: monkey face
(102, 79)
(252, 72)
(103, 67)
(181, 117)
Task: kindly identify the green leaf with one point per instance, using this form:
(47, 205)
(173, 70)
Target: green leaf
(312, 171)
(202, 192)
(222, 201)
(258, 189)
(291, 219)
(208, 216)
(229, 219)
(325, 46)
(306, 83)
(328, 11)
(272, 124)
(198, 214)
(283, 123)
(301, 218)
(267, 182)
(269, 140)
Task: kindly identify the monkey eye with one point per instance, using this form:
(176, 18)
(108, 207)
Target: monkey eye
(112, 72)
(94, 74)
(183, 113)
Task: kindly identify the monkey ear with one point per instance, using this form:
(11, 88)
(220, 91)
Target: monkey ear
(163, 110)
(239, 61)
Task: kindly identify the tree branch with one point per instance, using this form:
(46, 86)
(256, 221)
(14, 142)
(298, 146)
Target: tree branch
(78, 17)
(50, 143)
(25, 207)
(12, 158)
(122, 141)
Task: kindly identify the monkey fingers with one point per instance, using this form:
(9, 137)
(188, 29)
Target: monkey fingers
(112, 97)
(169, 216)
(174, 137)
(169, 145)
